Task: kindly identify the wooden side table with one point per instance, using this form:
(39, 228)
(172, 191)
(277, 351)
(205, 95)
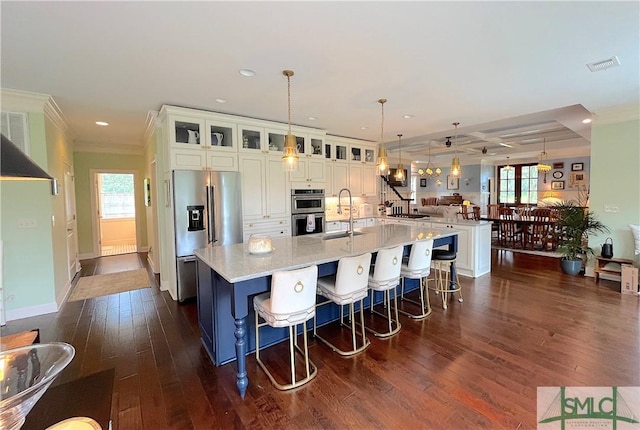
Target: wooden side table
(601, 262)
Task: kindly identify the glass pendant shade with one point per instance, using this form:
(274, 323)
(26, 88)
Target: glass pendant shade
(400, 172)
(290, 156)
(383, 164)
(456, 170)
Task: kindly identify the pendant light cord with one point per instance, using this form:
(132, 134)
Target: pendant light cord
(289, 100)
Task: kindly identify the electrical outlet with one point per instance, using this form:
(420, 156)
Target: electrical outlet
(9, 298)
(27, 223)
(611, 208)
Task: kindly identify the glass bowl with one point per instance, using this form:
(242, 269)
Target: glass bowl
(25, 374)
(260, 244)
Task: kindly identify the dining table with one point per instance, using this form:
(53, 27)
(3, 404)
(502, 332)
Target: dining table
(524, 223)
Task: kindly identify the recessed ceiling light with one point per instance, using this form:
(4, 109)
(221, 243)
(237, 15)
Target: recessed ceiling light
(247, 72)
(313, 118)
(363, 128)
(586, 121)
(506, 144)
(102, 123)
(407, 116)
(221, 100)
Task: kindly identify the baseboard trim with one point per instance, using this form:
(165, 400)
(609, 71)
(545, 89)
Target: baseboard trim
(32, 311)
(88, 256)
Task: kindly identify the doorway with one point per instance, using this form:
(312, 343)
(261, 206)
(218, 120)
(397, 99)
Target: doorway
(116, 213)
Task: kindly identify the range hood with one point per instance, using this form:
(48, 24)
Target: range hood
(16, 165)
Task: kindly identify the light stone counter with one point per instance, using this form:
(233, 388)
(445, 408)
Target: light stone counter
(234, 263)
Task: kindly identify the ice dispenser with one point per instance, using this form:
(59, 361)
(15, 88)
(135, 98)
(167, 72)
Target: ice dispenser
(196, 218)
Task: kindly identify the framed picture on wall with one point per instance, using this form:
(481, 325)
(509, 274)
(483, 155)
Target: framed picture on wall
(557, 185)
(558, 165)
(453, 183)
(423, 182)
(576, 179)
(577, 167)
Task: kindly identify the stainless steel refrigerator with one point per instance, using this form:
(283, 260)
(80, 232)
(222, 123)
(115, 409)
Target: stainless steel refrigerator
(207, 212)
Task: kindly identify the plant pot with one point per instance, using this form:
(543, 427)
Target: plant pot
(571, 267)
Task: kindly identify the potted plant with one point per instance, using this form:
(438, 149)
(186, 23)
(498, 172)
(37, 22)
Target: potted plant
(574, 224)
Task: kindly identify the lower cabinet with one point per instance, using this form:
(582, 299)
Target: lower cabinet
(274, 227)
(474, 248)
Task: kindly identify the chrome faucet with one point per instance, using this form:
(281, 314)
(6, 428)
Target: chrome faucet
(350, 231)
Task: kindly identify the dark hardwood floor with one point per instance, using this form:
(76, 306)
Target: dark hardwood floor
(475, 365)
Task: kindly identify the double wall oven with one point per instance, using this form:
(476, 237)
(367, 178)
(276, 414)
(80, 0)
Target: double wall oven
(307, 212)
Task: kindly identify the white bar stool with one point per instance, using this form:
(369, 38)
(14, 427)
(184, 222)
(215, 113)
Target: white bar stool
(442, 258)
(385, 276)
(347, 286)
(291, 302)
(418, 266)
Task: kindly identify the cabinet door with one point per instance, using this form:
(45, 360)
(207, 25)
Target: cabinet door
(356, 154)
(369, 180)
(359, 223)
(252, 139)
(315, 170)
(222, 161)
(188, 159)
(300, 175)
(275, 140)
(316, 148)
(220, 135)
(252, 168)
(186, 132)
(355, 179)
(278, 199)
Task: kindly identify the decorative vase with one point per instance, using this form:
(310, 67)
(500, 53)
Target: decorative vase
(571, 267)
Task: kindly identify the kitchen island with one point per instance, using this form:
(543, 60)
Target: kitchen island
(229, 276)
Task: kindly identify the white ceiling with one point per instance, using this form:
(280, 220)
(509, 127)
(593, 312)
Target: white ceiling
(504, 70)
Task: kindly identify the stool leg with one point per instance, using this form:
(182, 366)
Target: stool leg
(292, 354)
(364, 337)
(353, 325)
(257, 338)
(306, 349)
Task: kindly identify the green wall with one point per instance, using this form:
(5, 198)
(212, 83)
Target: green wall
(83, 163)
(28, 271)
(615, 181)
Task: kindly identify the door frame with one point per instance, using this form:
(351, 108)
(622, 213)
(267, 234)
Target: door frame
(70, 203)
(95, 216)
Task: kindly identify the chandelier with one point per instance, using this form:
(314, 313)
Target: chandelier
(290, 156)
(456, 170)
(543, 165)
(383, 163)
(430, 171)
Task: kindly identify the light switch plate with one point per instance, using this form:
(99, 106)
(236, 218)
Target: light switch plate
(611, 208)
(27, 223)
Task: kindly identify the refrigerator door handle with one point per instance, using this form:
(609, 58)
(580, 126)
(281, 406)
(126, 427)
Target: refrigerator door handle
(211, 231)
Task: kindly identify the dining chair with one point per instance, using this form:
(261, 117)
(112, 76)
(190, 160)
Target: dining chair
(476, 213)
(510, 231)
(538, 232)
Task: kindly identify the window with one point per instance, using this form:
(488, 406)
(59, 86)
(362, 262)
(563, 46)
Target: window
(518, 184)
(116, 195)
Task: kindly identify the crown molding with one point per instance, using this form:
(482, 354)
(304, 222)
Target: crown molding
(617, 114)
(108, 148)
(23, 101)
(151, 123)
(55, 115)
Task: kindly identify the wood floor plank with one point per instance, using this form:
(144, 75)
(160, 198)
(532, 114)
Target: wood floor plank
(475, 365)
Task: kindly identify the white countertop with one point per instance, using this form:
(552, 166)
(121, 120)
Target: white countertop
(427, 218)
(234, 263)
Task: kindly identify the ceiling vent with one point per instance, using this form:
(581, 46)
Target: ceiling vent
(604, 64)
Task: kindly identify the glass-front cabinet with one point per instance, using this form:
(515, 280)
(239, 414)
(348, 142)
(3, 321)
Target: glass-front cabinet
(186, 131)
(362, 154)
(252, 138)
(221, 135)
(335, 151)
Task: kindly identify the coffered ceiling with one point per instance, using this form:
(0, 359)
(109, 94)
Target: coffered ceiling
(512, 73)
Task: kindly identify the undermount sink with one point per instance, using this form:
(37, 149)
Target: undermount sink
(339, 234)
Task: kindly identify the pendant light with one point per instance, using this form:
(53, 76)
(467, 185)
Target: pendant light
(508, 166)
(400, 170)
(542, 163)
(383, 162)
(290, 156)
(456, 170)
(430, 170)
